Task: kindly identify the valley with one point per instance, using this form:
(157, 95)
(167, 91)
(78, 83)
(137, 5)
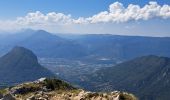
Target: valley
(67, 69)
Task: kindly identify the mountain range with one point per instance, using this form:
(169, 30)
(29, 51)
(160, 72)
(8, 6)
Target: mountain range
(147, 77)
(44, 44)
(87, 47)
(144, 71)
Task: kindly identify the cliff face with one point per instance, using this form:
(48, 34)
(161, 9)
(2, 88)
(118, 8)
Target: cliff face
(54, 89)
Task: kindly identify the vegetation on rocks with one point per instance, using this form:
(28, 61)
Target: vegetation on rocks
(54, 89)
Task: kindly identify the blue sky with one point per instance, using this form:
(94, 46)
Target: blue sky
(77, 8)
(72, 10)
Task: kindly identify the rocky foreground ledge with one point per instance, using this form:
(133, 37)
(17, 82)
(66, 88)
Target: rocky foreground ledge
(54, 89)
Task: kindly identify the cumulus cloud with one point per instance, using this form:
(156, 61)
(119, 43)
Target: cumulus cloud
(42, 19)
(116, 13)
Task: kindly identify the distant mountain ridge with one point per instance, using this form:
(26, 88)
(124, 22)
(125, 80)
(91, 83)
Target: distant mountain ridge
(147, 77)
(44, 44)
(86, 47)
(125, 47)
(20, 65)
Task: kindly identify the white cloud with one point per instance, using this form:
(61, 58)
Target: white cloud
(116, 13)
(39, 18)
(105, 21)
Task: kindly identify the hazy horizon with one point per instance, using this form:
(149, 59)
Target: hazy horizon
(22, 31)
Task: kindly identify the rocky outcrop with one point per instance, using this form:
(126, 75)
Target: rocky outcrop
(81, 95)
(8, 97)
(54, 89)
(85, 95)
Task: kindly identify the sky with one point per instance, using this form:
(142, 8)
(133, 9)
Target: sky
(120, 17)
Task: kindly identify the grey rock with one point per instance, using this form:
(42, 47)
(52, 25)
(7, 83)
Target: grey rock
(1, 96)
(8, 97)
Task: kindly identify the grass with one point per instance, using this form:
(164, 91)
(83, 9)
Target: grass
(3, 91)
(126, 96)
(55, 84)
